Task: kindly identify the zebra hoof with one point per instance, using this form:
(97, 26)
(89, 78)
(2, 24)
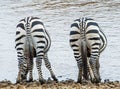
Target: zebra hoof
(30, 80)
(17, 81)
(42, 81)
(55, 79)
(95, 80)
(79, 80)
(84, 81)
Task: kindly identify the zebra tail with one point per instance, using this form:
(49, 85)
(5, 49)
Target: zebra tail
(30, 50)
(84, 59)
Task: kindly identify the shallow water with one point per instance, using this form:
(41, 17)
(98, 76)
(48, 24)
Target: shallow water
(57, 16)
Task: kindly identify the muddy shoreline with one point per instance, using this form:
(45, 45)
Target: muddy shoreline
(57, 16)
(69, 84)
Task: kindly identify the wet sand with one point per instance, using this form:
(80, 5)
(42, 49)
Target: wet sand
(60, 85)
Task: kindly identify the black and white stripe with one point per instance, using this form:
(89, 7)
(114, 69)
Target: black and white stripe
(85, 32)
(32, 40)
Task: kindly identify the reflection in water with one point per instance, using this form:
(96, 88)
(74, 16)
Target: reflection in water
(57, 16)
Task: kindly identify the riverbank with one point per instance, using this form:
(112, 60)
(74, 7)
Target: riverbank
(59, 85)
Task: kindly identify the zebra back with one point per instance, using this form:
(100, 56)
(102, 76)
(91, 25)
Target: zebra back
(82, 25)
(31, 28)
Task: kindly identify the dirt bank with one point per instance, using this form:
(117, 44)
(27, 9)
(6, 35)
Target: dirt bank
(60, 85)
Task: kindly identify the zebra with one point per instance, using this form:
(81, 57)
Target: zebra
(32, 41)
(87, 41)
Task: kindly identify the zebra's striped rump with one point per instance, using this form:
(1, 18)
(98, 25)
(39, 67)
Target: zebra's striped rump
(32, 40)
(85, 31)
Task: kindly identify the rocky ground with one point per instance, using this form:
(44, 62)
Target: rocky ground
(69, 84)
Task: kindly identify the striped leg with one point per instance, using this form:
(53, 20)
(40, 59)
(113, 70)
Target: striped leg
(22, 74)
(48, 65)
(39, 64)
(30, 70)
(78, 57)
(79, 64)
(39, 58)
(91, 75)
(94, 62)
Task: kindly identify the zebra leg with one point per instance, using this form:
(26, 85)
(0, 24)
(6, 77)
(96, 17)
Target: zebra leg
(22, 65)
(90, 70)
(77, 55)
(79, 63)
(19, 78)
(98, 67)
(93, 62)
(30, 70)
(39, 64)
(78, 58)
(48, 65)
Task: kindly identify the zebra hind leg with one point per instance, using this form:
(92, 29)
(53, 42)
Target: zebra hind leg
(91, 75)
(30, 70)
(96, 78)
(98, 67)
(78, 58)
(79, 80)
(79, 64)
(21, 77)
(23, 71)
(48, 66)
(39, 64)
